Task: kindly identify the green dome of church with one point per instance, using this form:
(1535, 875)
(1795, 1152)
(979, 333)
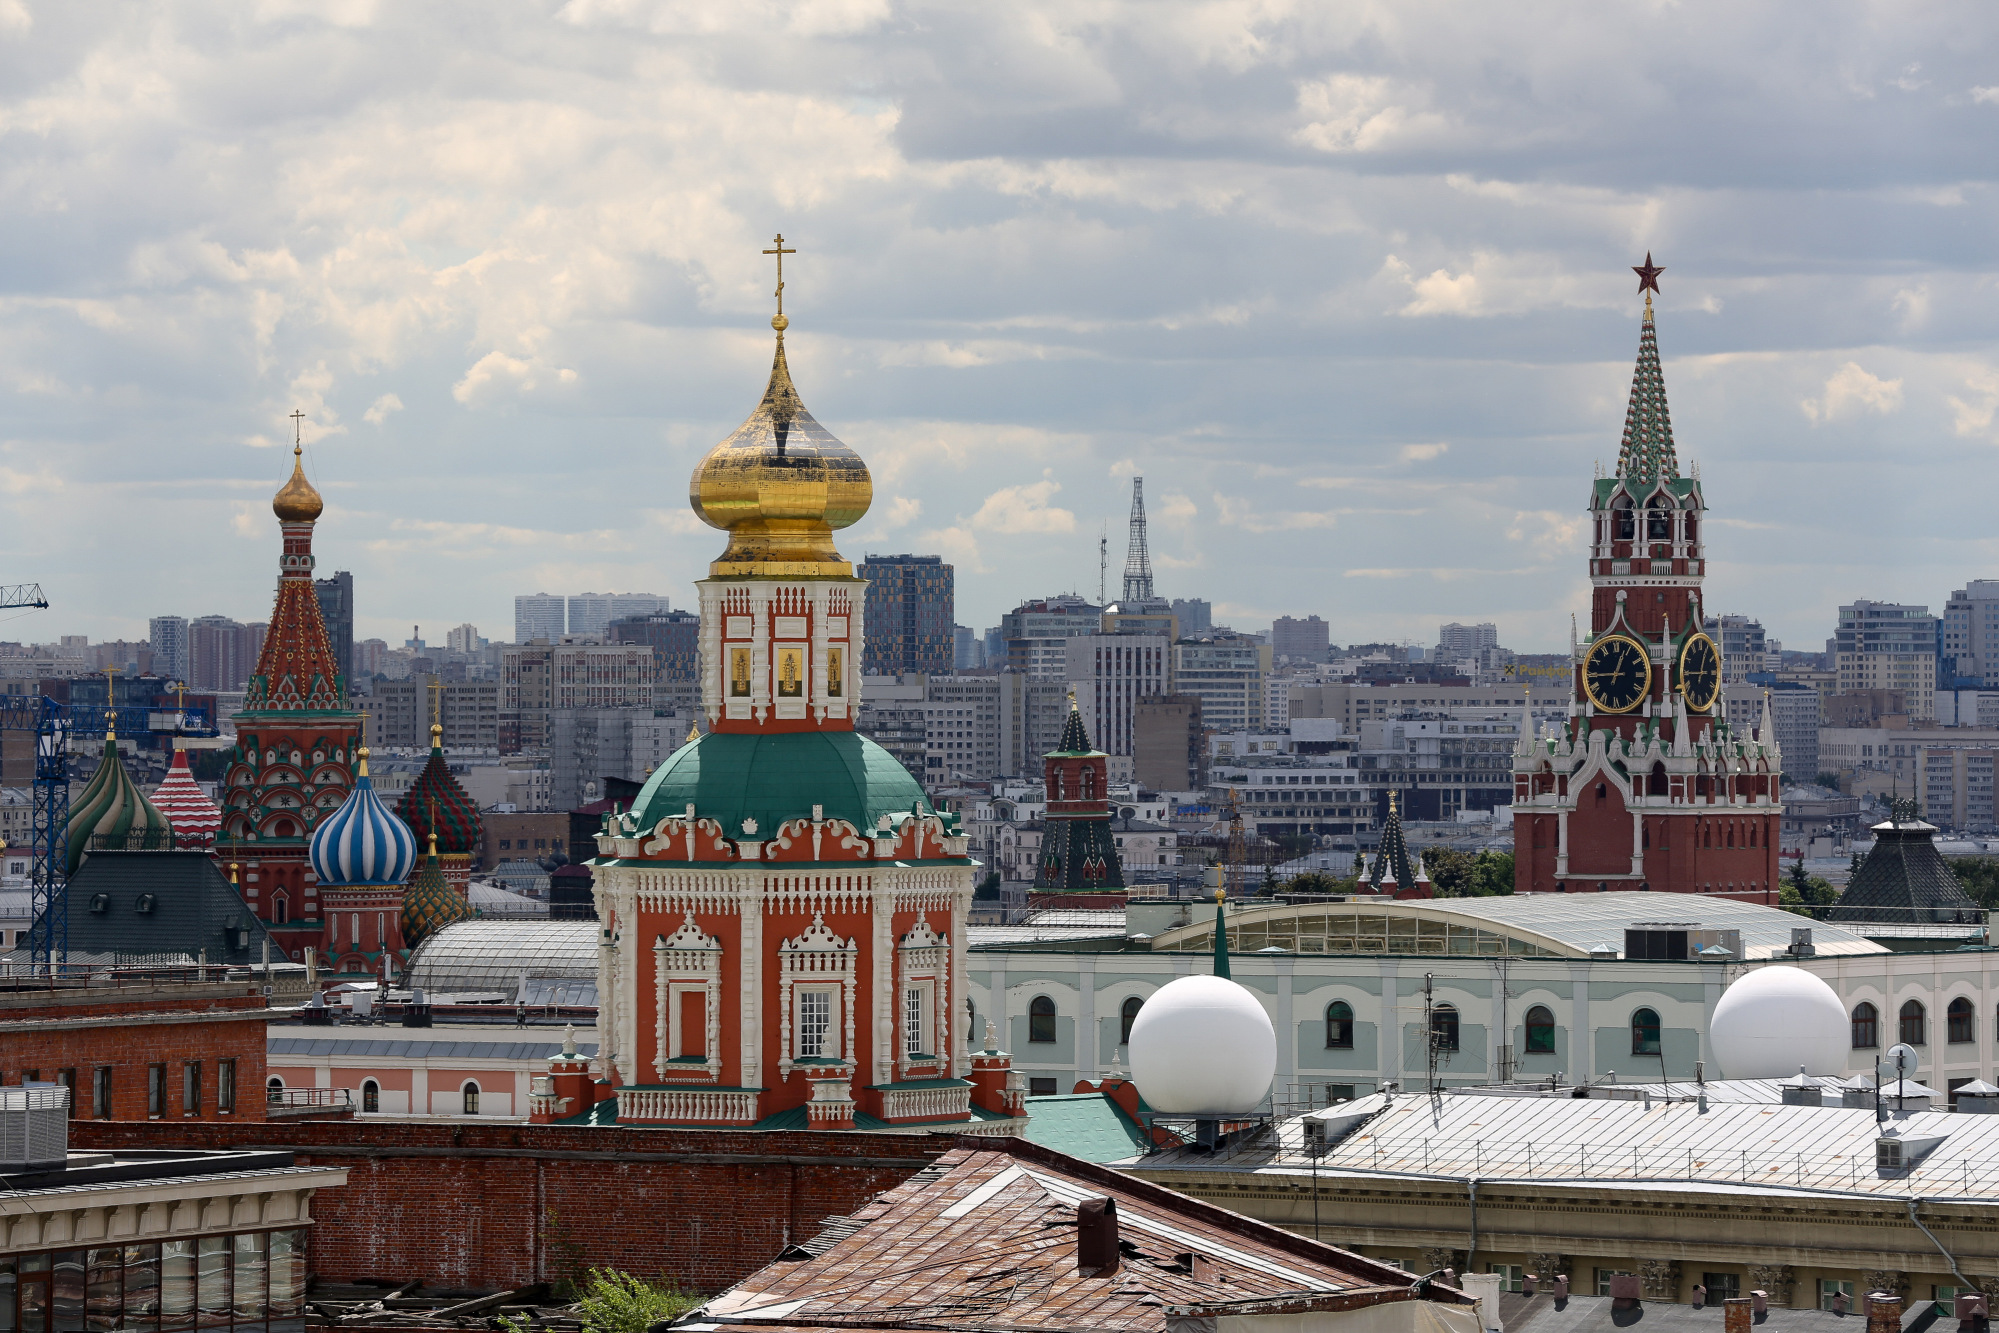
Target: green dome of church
(771, 777)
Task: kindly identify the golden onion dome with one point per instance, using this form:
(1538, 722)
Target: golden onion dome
(780, 486)
(298, 502)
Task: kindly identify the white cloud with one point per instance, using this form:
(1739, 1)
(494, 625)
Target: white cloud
(1015, 510)
(1357, 113)
(1423, 453)
(1851, 389)
(1973, 415)
(379, 410)
(1987, 96)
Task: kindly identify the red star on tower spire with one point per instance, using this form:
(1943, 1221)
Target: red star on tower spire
(1648, 274)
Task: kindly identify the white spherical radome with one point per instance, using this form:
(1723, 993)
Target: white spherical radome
(1775, 1019)
(1203, 1044)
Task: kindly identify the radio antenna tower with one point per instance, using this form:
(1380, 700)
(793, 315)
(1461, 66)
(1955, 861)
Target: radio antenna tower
(1103, 560)
(1137, 562)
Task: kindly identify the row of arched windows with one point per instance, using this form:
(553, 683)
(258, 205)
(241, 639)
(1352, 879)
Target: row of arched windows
(371, 1095)
(1540, 1025)
(1912, 1027)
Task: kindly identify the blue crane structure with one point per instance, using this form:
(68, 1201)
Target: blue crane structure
(55, 725)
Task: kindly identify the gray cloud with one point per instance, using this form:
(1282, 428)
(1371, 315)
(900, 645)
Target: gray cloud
(1348, 282)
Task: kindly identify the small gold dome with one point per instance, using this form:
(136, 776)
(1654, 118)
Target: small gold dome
(298, 502)
(780, 486)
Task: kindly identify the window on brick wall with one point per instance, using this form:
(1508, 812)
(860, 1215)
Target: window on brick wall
(67, 1077)
(156, 1091)
(190, 1088)
(470, 1096)
(225, 1086)
(100, 1092)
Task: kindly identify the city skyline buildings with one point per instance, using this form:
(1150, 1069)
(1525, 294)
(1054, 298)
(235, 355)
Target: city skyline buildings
(1483, 216)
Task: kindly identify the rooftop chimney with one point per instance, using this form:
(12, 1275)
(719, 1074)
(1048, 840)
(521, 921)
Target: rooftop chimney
(1096, 1235)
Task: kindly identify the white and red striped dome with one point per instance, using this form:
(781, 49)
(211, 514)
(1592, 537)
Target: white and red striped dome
(194, 818)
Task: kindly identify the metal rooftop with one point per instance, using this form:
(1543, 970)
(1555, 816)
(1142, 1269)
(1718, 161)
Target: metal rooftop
(1558, 1140)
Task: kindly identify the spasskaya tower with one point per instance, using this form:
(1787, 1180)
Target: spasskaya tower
(1645, 786)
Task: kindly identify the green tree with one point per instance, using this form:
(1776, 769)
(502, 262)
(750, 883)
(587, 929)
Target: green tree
(988, 888)
(1492, 875)
(615, 1302)
(1317, 881)
(1979, 875)
(1450, 872)
(1800, 892)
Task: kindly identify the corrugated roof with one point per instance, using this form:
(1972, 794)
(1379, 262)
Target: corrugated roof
(1088, 1125)
(454, 1047)
(1551, 1139)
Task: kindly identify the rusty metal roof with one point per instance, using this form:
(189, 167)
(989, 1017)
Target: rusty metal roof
(987, 1237)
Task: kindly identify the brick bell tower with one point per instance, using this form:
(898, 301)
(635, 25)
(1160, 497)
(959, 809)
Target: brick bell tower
(1645, 786)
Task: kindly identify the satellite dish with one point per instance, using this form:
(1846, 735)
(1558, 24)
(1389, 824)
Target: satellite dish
(1901, 1061)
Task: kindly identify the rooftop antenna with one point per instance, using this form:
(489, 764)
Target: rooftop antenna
(1103, 560)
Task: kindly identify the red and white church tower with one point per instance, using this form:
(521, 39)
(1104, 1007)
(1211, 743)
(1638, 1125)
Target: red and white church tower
(1645, 785)
(783, 912)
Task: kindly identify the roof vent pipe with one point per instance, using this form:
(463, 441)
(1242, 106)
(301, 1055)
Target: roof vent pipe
(1096, 1236)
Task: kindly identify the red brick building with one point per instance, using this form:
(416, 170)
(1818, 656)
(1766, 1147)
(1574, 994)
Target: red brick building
(149, 1050)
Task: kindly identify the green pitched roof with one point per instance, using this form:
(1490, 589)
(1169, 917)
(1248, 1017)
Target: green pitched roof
(773, 777)
(1087, 1125)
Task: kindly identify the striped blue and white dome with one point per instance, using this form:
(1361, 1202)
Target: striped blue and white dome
(363, 843)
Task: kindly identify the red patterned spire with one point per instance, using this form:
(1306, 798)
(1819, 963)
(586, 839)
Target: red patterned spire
(296, 672)
(194, 818)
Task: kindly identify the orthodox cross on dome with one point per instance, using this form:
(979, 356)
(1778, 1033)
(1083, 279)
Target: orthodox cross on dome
(1648, 274)
(779, 322)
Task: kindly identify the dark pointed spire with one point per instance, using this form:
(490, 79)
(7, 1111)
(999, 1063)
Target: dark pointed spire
(1075, 740)
(1646, 453)
(1393, 863)
(1221, 935)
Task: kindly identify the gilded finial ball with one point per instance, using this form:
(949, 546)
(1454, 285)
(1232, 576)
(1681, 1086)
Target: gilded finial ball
(780, 323)
(362, 752)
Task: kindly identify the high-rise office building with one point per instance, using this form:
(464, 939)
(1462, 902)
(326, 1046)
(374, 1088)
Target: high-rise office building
(336, 608)
(1456, 640)
(591, 613)
(1742, 645)
(1304, 640)
(566, 674)
(1037, 634)
(1110, 673)
(968, 651)
(538, 617)
(1226, 674)
(675, 637)
(1195, 615)
(223, 652)
(1968, 654)
(910, 611)
(169, 637)
(1887, 646)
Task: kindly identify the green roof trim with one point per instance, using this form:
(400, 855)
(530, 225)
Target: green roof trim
(1086, 1125)
(730, 777)
(922, 1083)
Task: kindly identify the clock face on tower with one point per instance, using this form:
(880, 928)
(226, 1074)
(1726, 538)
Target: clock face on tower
(1700, 673)
(1617, 674)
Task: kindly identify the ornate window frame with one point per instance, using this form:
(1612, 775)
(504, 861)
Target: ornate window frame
(923, 959)
(687, 961)
(817, 957)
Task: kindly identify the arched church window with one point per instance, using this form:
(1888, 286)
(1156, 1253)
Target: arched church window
(1645, 1032)
(1866, 1026)
(1657, 786)
(1540, 1031)
(1089, 783)
(1623, 523)
(1339, 1026)
(1041, 1019)
(1915, 1024)
(1127, 1015)
(1444, 1027)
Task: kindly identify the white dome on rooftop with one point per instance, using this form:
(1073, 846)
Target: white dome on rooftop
(1775, 1019)
(1203, 1044)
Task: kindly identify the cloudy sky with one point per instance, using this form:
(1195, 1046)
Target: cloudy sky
(1347, 283)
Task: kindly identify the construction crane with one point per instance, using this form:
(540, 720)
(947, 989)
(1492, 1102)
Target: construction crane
(56, 726)
(17, 595)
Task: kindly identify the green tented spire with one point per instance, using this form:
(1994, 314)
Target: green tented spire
(1646, 454)
(1075, 740)
(113, 814)
(1221, 934)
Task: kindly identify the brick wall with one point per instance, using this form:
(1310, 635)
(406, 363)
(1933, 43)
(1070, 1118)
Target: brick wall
(45, 1051)
(505, 1205)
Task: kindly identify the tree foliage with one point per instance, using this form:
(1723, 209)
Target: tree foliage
(1980, 877)
(613, 1302)
(1456, 874)
(1800, 891)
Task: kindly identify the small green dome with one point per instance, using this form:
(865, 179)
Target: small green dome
(772, 777)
